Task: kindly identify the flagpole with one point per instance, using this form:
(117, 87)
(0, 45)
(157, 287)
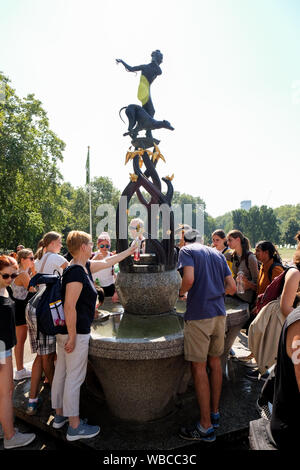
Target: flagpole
(90, 192)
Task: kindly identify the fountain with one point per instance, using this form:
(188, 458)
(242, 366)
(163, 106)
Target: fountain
(138, 355)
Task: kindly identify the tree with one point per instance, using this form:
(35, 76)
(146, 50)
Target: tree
(224, 222)
(292, 228)
(30, 198)
(102, 192)
(259, 223)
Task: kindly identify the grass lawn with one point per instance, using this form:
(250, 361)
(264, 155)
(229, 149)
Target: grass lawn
(286, 253)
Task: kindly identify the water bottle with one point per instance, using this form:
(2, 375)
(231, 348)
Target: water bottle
(240, 287)
(136, 256)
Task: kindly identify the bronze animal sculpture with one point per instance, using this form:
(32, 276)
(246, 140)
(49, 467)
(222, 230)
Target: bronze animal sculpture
(139, 119)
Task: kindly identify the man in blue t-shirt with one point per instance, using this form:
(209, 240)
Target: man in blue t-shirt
(206, 278)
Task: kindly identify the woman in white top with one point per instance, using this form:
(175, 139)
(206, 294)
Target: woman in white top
(104, 277)
(48, 261)
(19, 288)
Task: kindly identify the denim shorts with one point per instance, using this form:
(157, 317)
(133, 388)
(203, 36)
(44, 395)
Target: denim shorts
(4, 355)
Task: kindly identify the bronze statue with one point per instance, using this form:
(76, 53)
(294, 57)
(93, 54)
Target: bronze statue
(148, 75)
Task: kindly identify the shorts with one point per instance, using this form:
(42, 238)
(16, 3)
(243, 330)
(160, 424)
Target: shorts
(109, 290)
(204, 338)
(20, 306)
(43, 344)
(4, 355)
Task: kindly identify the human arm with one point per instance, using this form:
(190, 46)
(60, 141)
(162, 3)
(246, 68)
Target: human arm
(230, 285)
(290, 288)
(293, 348)
(253, 269)
(64, 265)
(136, 68)
(98, 256)
(111, 260)
(73, 290)
(187, 280)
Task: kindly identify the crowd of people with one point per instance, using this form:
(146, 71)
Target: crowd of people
(61, 358)
(209, 273)
(229, 267)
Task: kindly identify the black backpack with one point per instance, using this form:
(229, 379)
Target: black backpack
(270, 270)
(48, 303)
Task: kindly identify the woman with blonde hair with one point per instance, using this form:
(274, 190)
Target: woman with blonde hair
(48, 261)
(79, 296)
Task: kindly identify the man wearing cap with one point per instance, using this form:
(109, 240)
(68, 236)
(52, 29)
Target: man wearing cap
(206, 278)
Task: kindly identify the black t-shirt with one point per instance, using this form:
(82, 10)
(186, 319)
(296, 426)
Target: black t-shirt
(286, 400)
(85, 306)
(7, 323)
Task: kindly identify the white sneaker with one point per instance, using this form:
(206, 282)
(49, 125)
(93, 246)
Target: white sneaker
(22, 374)
(19, 440)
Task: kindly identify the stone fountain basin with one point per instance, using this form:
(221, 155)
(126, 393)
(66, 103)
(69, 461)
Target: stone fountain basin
(147, 293)
(140, 364)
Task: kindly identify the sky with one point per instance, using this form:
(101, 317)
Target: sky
(230, 86)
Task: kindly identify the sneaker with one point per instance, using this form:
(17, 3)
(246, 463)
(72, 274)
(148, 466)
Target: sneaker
(32, 408)
(22, 374)
(215, 420)
(19, 440)
(263, 410)
(59, 421)
(255, 375)
(232, 353)
(193, 433)
(83, 431)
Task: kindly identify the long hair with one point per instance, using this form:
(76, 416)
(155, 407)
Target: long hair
(220, 233)
(245, 243)
(46, 240)
(271, 249)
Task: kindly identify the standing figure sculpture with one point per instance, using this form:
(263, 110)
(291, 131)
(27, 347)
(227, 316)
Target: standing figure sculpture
(148, 75)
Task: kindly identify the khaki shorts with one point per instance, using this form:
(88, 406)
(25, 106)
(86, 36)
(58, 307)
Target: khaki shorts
(204, 338)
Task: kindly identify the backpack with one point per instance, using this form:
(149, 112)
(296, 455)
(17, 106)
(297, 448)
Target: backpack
(48, 303)
(270, 270)
(272, 292)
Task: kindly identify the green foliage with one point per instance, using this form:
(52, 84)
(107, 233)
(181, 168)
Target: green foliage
(259, 223)
(30, 198)
(292, 227)
(224, 222)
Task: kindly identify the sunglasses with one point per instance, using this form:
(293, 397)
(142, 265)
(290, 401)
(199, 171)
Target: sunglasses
(104, 246)
(30, 257)
(7, 276)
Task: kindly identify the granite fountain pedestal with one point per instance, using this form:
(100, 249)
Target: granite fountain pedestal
(138, 355)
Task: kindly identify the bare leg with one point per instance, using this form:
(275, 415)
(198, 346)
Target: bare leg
(202, 388)
(6, 391)
(48, 366)
(36, 375)
(21, 333)
(74, 421)
(215, 382)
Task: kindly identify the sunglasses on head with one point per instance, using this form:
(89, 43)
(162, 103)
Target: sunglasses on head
(104, 246)
(7, 276)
